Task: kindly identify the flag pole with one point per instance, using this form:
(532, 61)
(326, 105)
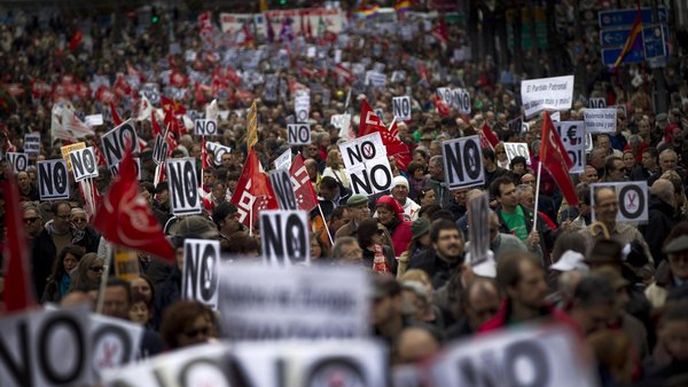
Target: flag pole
(104, 279)
(327, 228)
(537, 194)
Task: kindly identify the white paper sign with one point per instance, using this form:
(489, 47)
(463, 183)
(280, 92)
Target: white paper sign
(205, 127)
(200, 281)
(283, 189)
(463, 162)
(19, 161)
(299, 134)
(269, 302)
(284, 236)
(401, 106)
(546, 94)
(218, 150)
(94, 120)
(514, 149)
(283, 161)
(32, 143)
(375, 79)
(367, 165)
(114, 342)
(461, 100)
(600, 120)
(84, 164)
(572, 134)
(597, 103)
(53, 181)
(302, 105)
(633, 200)
(184, 196)
(115, 142)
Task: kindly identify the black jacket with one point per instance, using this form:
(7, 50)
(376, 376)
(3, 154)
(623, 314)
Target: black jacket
(439, 270)
(660, 223)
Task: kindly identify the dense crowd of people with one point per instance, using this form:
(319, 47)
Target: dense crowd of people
(621, 287)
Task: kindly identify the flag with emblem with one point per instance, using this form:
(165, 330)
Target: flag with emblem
(371, 123)
(252, 126)
(306, 198)
(253, 191)
(555, 159)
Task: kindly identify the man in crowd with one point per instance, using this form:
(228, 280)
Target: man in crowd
(356, 210)
(446, 254)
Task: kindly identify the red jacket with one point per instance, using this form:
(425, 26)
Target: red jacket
(401, 236)
(499, 321)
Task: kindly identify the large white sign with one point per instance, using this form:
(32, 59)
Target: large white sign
(200, 280)
(600, 120)
(115, 142)
(285, 236)
(527, 356)
(183, 183)
(114, 342)
(546, 94)
(633, 200)
(514, 149)
(260, 302)
(18, 161)
(572, 134)
(84, 164)
(463, 162)
(299, 134)
(53, 182)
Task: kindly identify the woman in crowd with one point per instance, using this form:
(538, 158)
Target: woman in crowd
(186, 323)
(60, 280)
(88, 273)
(377, 255)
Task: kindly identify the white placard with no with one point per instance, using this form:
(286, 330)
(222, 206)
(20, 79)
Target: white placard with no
(514, 149)
(463, 163)
(200, 281)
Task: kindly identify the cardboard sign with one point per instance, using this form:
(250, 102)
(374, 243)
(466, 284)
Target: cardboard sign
(218, 150)
(479, 229)
(200, 280)
(528, 356)
(401, 106)
(285, 236)
(572, 134)
(127, 264)
(600, 120)
(184, 197)
(114, 342)
(597, 103)
(367, 165)
(19, 161)
(115, 142)
(84, 164)
(302, 105)
(463, 162)
(46, 348)
(514, 149)
(299, 134)
(281, 185)
(32, 143)
(461, 101)
(205, 127)
(283, 161)
(633, 200)
(67, 149)
(550, 94)
(269, 303)
(53, 182)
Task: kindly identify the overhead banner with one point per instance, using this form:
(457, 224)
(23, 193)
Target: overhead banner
(200, 281)
(463, 163)
(84, 164)
(365, 159)
(53, 182)
(600, 120)
(514, 149)
(572, 134)
(633, 200)
(549, 94)
(260, 302)
(527, 356)
(183, 183)
(285, 237)
(333, 20)
(116, 141)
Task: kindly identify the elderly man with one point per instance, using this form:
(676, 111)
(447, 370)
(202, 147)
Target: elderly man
(661, 212)
(668, 161)
(356, 210)
(400, 191)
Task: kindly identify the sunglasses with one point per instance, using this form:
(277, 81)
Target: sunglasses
(193, 333)
(79, 220)
(96, 269)
(30, 220)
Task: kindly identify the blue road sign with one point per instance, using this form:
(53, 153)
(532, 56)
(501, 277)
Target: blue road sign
(617, 37)
(626, 17)
(609, 56)
(654, 40)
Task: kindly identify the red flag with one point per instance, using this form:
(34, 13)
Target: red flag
(556, 161)
(75, 40)
(18, 293)
(440, 31)
(253, 191)
(124, 217)
(442, 108)
(489, 135)
(370, 123)
(115, 116)
(306, 198)
(633, 38)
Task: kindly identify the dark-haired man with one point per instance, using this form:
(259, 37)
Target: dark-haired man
(446, 255)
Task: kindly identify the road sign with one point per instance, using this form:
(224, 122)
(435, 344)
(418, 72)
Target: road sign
(626, 17)
(654, 40)
(609, 56)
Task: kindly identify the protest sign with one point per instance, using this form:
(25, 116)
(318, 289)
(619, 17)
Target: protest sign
(46, 348)
(572, 134)
(32, 143)
(94, 120)
(184, 197)
(283, 160)
(205, 127)
(65, 150)
(461, 101)
(479, 229)
(514, 149)
(84, 164)
(633, 199)
(367, 165)
(600, 120)
(446, 95)
(268, 303)
(302, 105)
(299, 134)
(116, 141)
(18, 161)
(114, 342)
(597, 103)
(218, 150)
(401, 106)
(528, 356)
(463, 162)
(550, 94)
(126, 264)
(200, 280)
(53, 182)
(284, 191)
(343, 123)
(284, 236)
(375, 79)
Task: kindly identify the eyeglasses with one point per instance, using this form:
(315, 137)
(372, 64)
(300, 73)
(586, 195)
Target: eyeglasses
(193, 333)
(96, 269)
(30, 220)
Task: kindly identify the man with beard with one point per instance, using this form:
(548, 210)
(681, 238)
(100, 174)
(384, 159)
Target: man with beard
(446, 254)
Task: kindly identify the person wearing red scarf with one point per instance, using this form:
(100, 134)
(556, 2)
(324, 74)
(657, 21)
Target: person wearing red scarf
(391, 215)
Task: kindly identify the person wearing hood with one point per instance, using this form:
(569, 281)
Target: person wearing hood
(391, 215)
(400, 192)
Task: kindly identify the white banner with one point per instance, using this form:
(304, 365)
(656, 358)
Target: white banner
(546, 94)
(334, 20)
(572, 134)
(600, 120)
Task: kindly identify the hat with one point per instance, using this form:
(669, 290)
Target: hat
(399, 180)
(222, 211)
(391, 203)
(570, 260)
(194, 226)
(605, 251)
(357, 200)
(677, 245)
(420, 227)
(614, 277)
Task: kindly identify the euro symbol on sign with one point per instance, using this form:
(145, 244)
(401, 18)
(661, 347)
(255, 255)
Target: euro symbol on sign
(571, 134)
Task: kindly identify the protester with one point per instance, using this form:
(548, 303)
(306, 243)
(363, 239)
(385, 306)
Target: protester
(445, 256)
(60, 280)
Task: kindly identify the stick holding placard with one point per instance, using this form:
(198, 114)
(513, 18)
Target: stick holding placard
(537, 196)
(327, 228)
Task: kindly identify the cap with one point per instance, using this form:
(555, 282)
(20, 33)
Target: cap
(194, 226)
(222, 211)
(570, 260)
(420, 227)
(605, 251)
(614, 277)
(399, 180)
(677, 245)
(357, 200)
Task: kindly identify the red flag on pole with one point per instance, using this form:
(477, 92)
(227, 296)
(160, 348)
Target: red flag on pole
(488, 135)
(634, 39)
(115, 116)
(306, 198)
(555, 159)
(18, 293)
(370, 123)
(253, 191)
(124, 217)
